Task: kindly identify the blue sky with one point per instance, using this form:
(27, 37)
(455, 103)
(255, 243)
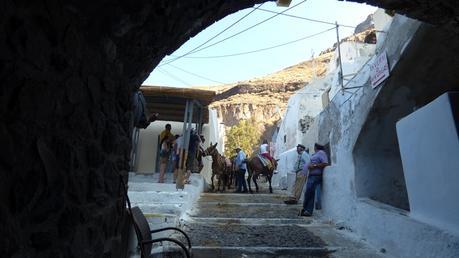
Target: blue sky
(198, 69)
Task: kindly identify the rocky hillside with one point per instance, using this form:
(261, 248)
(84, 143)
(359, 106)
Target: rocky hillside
(265, 98)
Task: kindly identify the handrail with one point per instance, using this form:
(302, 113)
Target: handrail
(176, 229)
(187, 252)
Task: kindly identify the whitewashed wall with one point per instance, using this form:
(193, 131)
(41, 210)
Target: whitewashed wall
(147, 147)
(306, 102)
(285, 167)
(212, 134)
(429, 146)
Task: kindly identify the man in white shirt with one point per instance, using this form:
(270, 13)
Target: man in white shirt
(242, 167)
(301, 171)
(177, 147)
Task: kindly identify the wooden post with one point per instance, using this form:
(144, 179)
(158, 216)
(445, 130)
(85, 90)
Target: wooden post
(339, 58)
(187, 122)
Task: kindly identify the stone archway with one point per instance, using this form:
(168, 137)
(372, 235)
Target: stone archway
(67, 70)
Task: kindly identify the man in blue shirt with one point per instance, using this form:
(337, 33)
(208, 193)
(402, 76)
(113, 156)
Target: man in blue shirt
(240, 174)
(319, 161)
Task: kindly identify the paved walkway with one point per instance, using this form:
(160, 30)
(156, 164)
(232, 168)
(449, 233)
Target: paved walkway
(261, 225)
(239, 225)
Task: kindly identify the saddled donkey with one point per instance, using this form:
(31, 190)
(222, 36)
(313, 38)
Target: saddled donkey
(219, 166)
(255, 168)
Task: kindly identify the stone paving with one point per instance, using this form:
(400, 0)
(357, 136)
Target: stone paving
(261, 225)
(230, 225)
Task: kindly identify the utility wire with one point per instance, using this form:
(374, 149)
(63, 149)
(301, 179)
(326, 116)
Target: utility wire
(161, 70)
(218, 34)
(307, 19)
(242, 31)
(263, 49)
(356, 89)
(197, 75)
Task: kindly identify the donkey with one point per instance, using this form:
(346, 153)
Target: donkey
(219, 166)
(255, 167)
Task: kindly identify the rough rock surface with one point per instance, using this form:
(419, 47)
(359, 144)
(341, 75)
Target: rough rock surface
(67, 71)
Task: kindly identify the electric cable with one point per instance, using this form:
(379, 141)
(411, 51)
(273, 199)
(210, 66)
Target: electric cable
(263, 49)
(307, 19)
(240, 32)
(197, 75)
(161, 70)
(218, 34)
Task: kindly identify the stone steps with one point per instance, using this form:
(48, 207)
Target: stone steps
(261, 225)
(259, 252)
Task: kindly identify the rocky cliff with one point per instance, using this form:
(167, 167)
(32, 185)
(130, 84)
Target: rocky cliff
(265, 98)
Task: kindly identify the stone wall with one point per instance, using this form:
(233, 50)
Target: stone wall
(67, 71)
(429, 147)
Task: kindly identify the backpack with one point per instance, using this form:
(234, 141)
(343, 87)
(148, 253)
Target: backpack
(140, 110)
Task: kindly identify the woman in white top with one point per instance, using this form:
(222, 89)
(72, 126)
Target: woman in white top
(264, 151)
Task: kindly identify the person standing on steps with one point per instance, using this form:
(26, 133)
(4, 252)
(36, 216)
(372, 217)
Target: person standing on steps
(319, 161)
(241, 164)
(176, 155)
(301, 174)
(166, 139)
(200, 153)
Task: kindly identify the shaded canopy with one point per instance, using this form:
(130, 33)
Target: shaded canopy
(170, 102)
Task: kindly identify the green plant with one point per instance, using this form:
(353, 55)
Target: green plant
(245, 134)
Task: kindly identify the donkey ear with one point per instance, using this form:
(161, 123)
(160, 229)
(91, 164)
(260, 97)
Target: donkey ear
(210, 144)
(216, 144)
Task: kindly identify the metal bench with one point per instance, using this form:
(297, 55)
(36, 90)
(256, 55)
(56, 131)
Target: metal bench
(144, 235)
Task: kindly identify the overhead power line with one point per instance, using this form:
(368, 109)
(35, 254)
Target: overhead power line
(264, 49)
(161, 70)
(197, 75)
(240, 32)
(306, 19)
(216, 35)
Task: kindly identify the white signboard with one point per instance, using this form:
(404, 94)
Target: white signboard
(379, 69)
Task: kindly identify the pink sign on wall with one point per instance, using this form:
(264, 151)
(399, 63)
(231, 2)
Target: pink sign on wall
(379, 69)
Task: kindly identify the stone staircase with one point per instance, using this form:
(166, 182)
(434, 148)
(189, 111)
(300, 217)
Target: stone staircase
(261, 225)
(241, 225)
